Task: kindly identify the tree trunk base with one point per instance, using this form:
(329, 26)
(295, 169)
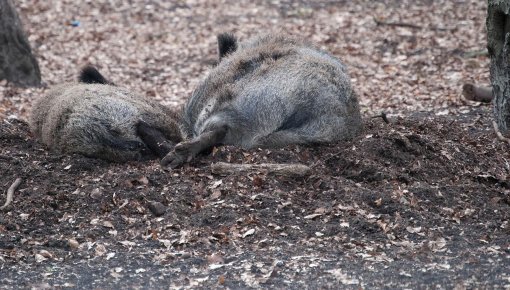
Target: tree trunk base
(17, 64)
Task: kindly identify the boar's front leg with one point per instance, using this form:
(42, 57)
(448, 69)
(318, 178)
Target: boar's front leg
(186, 151)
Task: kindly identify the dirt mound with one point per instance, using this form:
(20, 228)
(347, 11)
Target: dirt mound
(423, 200)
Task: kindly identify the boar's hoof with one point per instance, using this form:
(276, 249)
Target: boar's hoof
(182, 153)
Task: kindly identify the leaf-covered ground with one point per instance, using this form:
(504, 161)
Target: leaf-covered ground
(418, 202)
(421, 202)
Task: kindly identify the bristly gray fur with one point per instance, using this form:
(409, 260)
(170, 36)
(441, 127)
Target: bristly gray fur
(99, 121)
(272, 91)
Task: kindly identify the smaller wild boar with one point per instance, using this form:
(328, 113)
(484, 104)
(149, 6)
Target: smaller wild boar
(270, 91)
(98, 119)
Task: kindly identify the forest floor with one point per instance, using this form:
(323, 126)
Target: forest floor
(420, 202)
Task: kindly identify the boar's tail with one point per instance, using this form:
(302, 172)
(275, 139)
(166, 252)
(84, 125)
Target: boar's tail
(90, 75)
(227, 43)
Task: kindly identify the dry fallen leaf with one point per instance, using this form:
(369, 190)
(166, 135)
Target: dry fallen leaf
(257, 181)
(413, 230)
(39, 258)
(45, 254)
(216, 194)
(320, 210)
(143, 180)
(312, 216)
(215, 259)
(249, 233)
(215, 184)
(221, 280)
(215, 266)
(108, 224)
(109, 255)
(73, 244)
(127, 243)
(100, 250)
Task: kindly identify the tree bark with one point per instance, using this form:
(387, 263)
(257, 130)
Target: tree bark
(17, 64)
(498, 45)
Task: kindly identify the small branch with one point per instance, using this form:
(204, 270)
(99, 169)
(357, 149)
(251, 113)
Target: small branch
(383, 116)
(475, 53)
(6, 157)
(409, 25)
(498, 133)
(288, 170)
(399, 24)
(10, 193)
(477, 94)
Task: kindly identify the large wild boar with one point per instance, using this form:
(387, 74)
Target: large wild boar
(98, 119)
(270, 91)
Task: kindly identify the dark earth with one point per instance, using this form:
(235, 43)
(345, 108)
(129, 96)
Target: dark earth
(421, 202)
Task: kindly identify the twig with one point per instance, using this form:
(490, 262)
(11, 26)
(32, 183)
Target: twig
(498, 133)
(475, 53)
(10, 192)
(409, 25)
(289, 170)
(400, 24)
(6, 157)
(383, 116)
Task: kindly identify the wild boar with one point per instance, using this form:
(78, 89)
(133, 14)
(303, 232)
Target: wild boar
(270, 91)
(97, 119)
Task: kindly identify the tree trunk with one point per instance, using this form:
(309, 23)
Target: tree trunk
(17, 64)
(498, 45)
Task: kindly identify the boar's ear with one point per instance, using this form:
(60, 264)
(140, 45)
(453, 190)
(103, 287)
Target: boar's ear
(227, 43)
(90, 75)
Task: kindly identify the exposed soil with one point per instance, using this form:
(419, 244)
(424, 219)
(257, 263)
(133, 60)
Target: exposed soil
(421, 202)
